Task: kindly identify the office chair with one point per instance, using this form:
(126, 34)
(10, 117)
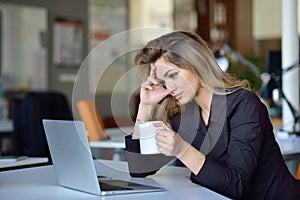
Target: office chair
(92, 120)
(96, 130)
(27, 117)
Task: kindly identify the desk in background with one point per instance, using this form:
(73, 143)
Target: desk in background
(290, 149)
(117, 138)
(112, 149)
(40, 182)
(108, 144)
(21, 162)
(289, 146)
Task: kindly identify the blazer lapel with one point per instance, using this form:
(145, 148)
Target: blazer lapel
(216, 124)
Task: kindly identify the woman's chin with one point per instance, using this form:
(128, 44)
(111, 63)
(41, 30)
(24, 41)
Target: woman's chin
(182, 101)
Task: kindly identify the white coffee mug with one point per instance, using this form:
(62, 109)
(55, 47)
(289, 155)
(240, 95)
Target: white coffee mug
(147, 132)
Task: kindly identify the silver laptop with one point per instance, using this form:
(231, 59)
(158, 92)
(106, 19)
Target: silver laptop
(74, 165)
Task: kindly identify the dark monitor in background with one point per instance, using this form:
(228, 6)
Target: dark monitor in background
(272, 67)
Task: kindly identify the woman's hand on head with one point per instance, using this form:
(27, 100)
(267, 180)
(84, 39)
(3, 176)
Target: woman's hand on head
(152, 91)
(169, 142)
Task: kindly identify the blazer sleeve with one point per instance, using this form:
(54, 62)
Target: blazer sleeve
(143, 165)
(245, 131)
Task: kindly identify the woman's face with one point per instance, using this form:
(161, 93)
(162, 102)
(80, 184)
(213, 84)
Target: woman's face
(182, 83)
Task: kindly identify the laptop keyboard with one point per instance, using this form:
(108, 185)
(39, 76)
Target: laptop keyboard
(108, 187)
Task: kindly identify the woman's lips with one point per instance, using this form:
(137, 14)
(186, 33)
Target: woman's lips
(178, 96)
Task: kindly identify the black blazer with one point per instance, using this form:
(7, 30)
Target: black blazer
(243, 160)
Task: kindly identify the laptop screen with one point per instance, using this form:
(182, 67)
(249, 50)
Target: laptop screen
(73, 162)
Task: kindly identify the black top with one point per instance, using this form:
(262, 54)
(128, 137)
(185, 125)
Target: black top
(243, 160)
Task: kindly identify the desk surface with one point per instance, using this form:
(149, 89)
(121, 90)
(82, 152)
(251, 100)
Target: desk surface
(40, 182)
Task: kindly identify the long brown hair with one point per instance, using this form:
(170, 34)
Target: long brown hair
(189, 51)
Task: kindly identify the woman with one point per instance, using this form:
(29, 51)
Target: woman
(212, 123)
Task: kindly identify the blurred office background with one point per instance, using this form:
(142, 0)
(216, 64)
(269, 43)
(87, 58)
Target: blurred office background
(29, 29)
(43, 44)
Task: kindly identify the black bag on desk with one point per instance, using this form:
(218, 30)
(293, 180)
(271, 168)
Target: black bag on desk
(28, 115)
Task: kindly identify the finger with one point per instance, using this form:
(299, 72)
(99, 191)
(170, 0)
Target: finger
(153, 71)
(161, 139)
(161, 145)
(147, 86)
(167, 127)
(164, 151)
(165, 137)
(165, 91)
(152, 80)
(163, 125)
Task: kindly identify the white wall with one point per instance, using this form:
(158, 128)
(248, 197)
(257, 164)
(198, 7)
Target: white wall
(154, 13)
(147, 14)
(266, 19)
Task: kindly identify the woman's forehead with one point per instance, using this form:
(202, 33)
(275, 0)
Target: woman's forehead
(163, 66)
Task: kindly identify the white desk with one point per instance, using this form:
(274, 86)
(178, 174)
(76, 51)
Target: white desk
(290, 147)
(23, 162)
(40, 183)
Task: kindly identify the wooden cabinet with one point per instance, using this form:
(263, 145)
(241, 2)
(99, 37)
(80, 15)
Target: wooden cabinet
(226, 22)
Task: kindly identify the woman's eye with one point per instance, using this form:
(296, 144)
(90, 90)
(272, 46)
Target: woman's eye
(173, 75)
